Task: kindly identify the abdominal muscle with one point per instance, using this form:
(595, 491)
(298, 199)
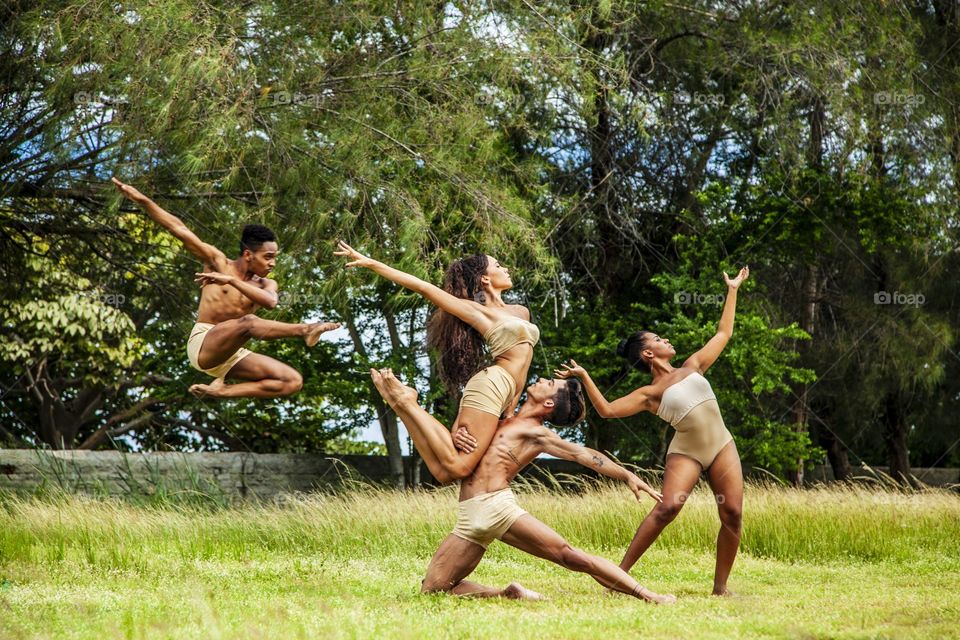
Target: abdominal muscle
(516, 361)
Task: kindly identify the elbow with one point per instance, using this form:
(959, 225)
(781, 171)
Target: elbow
(457, 471)
(605, 412)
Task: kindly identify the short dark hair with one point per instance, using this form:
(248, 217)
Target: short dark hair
(254, 235)
(569, 407)
(632, 348)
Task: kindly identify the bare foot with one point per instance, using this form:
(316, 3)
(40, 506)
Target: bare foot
(312, 337)
(655, 598)
(515, 591)
(214, 389)
(392, 390)
(723, 592)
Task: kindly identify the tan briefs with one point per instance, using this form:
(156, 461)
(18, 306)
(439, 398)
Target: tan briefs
(486, 517)
(490, 390)
(197, 334)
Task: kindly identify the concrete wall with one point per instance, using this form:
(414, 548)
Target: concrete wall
(237, 476)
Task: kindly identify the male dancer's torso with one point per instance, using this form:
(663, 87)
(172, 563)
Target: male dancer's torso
(219, 302)
(514, 446)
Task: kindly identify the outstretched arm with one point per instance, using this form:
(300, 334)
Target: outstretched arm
(629, 405)
(467, 310)
(205, 252)
(554, 445)
(705, 357)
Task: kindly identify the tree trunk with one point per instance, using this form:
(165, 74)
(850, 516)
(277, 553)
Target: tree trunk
(837, 456)
(895, 434)
(385, 415)
(811, 295)
(811, 284)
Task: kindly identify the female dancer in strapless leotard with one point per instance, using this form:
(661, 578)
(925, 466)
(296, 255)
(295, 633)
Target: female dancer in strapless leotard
(683, 397)
(470, 313)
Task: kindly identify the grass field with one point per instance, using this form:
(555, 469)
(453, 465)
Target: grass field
(822, 563)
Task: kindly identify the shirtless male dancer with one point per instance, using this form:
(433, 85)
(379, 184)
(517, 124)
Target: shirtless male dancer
(488, 508)
(231, 292)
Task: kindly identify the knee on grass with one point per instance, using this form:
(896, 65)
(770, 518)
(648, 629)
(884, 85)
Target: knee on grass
(434, 586)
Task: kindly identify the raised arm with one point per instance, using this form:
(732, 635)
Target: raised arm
(629, 405)
(705, 357)
(467, 310)
(205, 252)
(554, 445)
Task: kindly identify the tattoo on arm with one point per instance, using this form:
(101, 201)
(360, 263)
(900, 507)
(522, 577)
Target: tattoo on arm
(597, 461)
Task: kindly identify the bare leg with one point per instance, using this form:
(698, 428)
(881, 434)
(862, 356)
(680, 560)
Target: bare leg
(432, 439)
(530, 535)
(726, 480)
(223, 339)
(679, 479)
(269, 379)
(455, 560)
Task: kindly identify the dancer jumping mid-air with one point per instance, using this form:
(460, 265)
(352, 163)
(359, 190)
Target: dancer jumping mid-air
(231, 292)
(470, 313)
(488, 509)
(684, 398)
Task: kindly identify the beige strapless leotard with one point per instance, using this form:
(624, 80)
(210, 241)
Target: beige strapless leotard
(690, 406)
(492, 389)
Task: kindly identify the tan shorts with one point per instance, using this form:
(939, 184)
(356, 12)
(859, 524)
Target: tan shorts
(491, 391)
(486, 517)
(197, 334)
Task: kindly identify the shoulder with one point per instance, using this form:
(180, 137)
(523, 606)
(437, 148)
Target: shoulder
(267, 283)
(520, 311)
(692, 365)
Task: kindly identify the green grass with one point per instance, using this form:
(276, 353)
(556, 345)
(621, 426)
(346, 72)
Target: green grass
(838, 563)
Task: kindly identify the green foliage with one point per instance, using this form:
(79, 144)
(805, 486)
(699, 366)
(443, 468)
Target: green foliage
(63, 320)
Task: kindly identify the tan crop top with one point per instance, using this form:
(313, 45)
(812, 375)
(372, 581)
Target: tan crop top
(679, 398)
(508, 333)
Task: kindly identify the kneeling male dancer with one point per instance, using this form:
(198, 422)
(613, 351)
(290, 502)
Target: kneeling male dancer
(489, 510)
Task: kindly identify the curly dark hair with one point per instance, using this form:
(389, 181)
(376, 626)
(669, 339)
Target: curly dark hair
(632, 348)
(459, 347)
(569, 406)
(254, 235)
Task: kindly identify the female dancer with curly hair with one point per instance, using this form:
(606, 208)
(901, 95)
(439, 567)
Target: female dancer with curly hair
(470, 313)
(683, 397)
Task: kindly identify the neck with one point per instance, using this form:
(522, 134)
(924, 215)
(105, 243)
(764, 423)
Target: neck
(493, 298)
(531, 412)
(660, 368)
(242, 266)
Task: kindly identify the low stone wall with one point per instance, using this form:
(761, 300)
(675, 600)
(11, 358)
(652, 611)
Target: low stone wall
(227, 476)
(238, 476)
